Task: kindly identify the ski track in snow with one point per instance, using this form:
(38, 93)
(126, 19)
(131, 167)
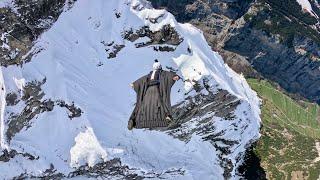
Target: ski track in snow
(72, 50)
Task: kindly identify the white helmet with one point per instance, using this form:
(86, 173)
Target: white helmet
(156, 65)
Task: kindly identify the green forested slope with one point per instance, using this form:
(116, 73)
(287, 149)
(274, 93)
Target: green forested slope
(290, 131)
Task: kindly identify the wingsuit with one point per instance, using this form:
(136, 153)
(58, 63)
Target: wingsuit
(153, 106)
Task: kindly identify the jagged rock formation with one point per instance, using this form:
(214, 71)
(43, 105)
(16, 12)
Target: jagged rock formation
(166, 36)
(20, 26)
(34, 105)
(8, 155)
(274, 39)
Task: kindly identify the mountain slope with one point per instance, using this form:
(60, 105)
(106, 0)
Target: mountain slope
(289, 143)
(277, 40)
(64, 111)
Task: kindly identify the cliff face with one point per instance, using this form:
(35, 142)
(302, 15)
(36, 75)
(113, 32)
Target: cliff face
(65, 95)
(278, 40)
(20, 27)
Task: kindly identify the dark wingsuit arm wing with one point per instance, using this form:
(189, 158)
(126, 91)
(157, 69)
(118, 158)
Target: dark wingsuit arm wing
(139, 88)
(172, 78)
(165, 89)
(139, 83)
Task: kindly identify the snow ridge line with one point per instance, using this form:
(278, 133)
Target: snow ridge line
(3, 143)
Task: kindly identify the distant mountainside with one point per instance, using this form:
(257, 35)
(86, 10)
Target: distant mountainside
(278, 40)
(289, 147)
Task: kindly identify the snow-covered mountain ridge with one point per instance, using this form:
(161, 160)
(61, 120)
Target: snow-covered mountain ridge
(64, 112)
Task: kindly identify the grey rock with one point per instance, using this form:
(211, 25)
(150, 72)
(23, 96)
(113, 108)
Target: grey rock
(35, 105)
(12, 99)
(166, 35)
(260, 38)
(22, 28)
(8, 155)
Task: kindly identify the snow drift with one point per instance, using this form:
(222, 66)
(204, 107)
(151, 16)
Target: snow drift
(74, 100)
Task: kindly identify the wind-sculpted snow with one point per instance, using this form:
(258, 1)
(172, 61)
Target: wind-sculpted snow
(88, 62)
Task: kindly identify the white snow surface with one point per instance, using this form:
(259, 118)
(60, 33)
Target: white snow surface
(5, 3)
(87, 148)
(72, 51)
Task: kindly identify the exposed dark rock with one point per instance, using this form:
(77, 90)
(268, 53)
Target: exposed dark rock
(251, 168)
(166, 35)
(12, 99)
(187, 10)
(155, 20)
(7, 155)
(116, 170)
(208, 106)
(35, 104)
(239, 64)
(294, 71)
(203, 106)
(189, 50)
(32, 90)
(260, 38)
(48, 174)
(69, 4)
(118, 14)
(163, 48)
(107, 44)
(73, 110)
(112, 168)
(32, 95)
(20, 29)
(228, 167)
(116, 48)
(99, 64)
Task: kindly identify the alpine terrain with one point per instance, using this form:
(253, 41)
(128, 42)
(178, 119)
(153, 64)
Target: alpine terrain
(66, 69)
(276, 45)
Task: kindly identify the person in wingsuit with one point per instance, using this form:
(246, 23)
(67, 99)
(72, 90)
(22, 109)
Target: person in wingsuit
(153, 106)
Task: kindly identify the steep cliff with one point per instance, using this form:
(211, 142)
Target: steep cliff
(277, 40)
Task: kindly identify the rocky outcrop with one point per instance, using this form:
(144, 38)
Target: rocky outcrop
(112, 49)
(12, 99)
(262, 38)
(295, 71)
(35, 104)
(166, 36)
(165, 39)
(195, 114)
(7, 155)
(21, 24)
(187, 10)
(112, 169)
